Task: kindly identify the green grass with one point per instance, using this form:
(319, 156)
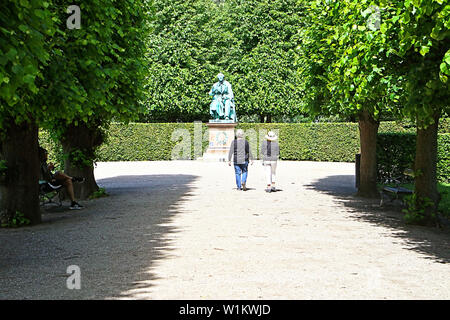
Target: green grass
(100, 193)
(443, 188)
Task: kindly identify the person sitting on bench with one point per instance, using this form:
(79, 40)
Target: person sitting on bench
(58, 178)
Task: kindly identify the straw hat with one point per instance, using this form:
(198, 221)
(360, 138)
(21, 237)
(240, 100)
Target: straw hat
(271, 136)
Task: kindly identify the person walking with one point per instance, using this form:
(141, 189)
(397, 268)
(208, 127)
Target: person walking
(270, 151)
(241, 154)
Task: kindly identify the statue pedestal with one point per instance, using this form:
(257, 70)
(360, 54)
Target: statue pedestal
(220, 137)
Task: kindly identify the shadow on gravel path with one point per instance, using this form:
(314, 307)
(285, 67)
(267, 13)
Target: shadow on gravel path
(114, 241)
(432, 242)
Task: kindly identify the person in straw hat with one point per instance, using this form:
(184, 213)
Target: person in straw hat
(270, 151)
(241, 154)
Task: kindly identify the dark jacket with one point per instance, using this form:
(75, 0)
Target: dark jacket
(270, 150)
(240, 151)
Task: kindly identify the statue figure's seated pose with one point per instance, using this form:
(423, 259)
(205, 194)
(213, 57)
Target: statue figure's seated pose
(222, 107)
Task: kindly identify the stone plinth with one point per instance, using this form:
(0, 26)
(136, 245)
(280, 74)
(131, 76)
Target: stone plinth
(220, 137)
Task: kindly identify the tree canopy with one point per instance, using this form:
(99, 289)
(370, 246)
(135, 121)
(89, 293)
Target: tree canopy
(24, 51)
(397, 65)
(73, 81)
(251, 42)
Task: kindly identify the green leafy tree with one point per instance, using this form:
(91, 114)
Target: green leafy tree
(266, 77)
(24, 30)
(252, 42)
(184, 49)
(72, 81)
(97, 70)
(349, 71)
(424, 34)
(400, 67)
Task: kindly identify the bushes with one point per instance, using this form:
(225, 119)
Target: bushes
(156, 141)
(443, 163)
(298, 141)
(295, 140)
(325, 141)
(396, 152)
(444, 125)
(146, 142)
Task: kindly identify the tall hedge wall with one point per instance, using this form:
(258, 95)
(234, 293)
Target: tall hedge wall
(298, 141)
(443, 164)
(147, 142)
(305, 141)
(396, 152)
(312, 141)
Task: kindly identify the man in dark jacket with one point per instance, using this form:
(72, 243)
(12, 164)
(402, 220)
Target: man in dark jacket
(241, 154)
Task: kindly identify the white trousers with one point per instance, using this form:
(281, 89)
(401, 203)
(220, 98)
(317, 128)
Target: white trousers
(271, 169)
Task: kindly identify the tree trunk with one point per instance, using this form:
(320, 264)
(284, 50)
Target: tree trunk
(85, 139)
(19, 189)
(425, 169)
(261, 118)
(269, 119)
(368, 129)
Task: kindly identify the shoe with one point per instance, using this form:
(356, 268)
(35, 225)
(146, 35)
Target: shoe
(269, 190)
(273, 189)
(75, 206)
(244, 187)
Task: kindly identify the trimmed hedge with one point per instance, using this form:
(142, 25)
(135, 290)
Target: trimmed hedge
(148, 141)
(444, 125)
(443, 163)
(336, 142)
(396, 152)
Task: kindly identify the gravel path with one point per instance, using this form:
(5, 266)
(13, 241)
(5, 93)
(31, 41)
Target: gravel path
(179, 230)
